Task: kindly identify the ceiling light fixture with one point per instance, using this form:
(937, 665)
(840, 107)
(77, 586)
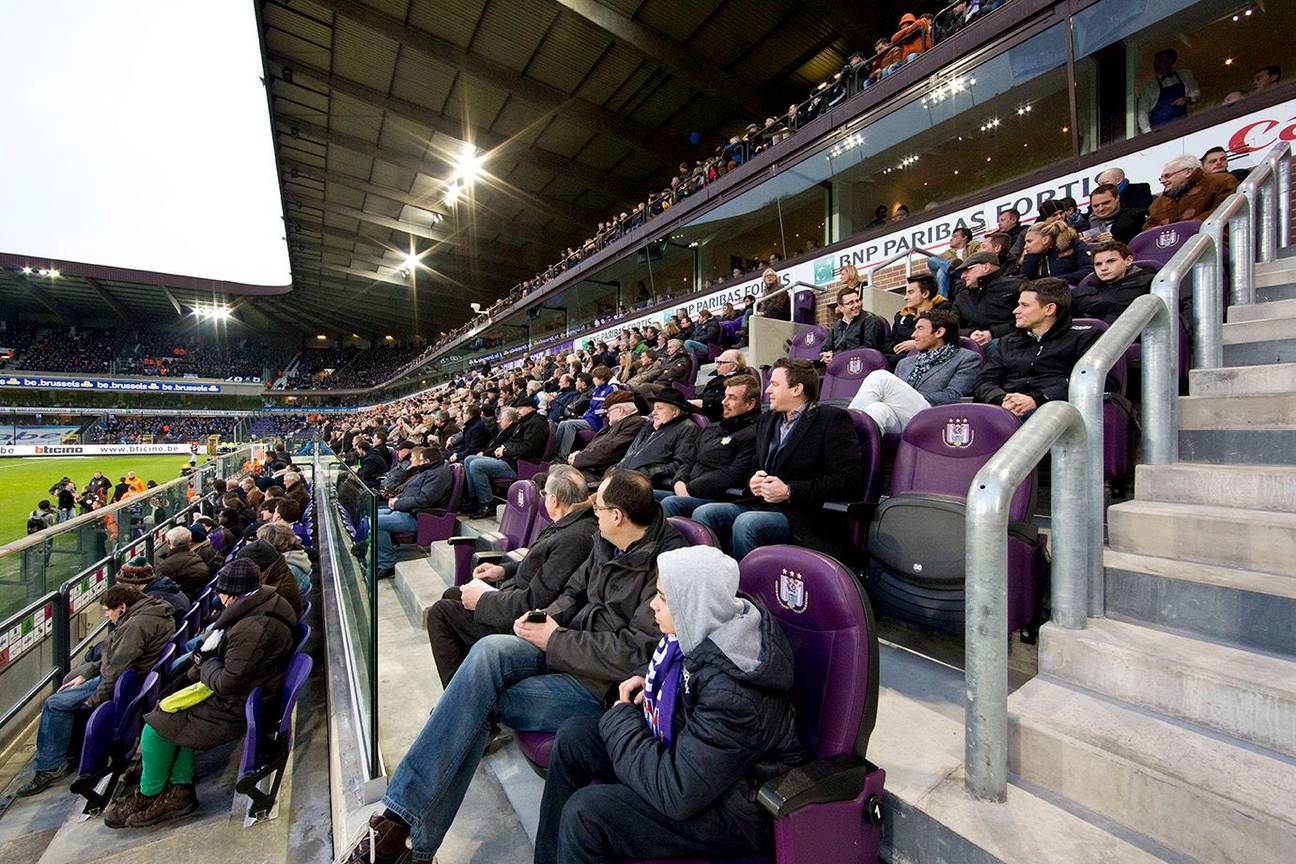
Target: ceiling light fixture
(451, 193)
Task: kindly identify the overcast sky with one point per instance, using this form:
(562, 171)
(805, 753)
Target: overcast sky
(135, 134)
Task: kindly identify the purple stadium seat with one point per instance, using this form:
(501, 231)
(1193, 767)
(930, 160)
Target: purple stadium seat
(808, 343)
(695, 533)
(915, 541)
(885, 327)
(1160, 244)
(803, 306)
(542, 521)
(520, 507)
(830, 810)
(112, 737)
(700, 420)
(303, 635)
(1118, 422)
(965, 342)
(845, 372)
(266, 750)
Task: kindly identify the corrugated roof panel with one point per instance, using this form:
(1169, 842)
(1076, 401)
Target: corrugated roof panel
(453, 20)
(573, 42)
(422, 80)
(631, 88)
(363, 55)
(821, 67)
(293, 46)
(675, 20)
(610, 72)
(394, 8)
(290, 110)
(404, 139)
(510, 32)
(520, 119)
(290, 19)
(564, 139)
(474, 102)
(346, 161)
(344, 195)
(355, 118)
(727, 37)
(603, 152)
(664, 101)
(386, 174)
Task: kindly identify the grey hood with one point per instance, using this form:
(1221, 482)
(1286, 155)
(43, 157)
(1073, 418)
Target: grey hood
(701, 587)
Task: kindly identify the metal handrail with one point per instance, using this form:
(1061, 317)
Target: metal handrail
(1152, 318)
(1268, 186)
(1237, 216)
(1057, 428)
(887, 262)
(793, 287)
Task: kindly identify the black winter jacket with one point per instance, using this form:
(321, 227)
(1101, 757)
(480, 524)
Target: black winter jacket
(989, 306)
(865, 331)
(428, 488)
(732, 732)
(475, 437)
(659, 454)
(707, 332)
(538, 579)
(526, 439)
(608, 446)
(1107, 300)
(372, 467)
(607, 631)
(723, 457)
(254, 652)
(1039, 368)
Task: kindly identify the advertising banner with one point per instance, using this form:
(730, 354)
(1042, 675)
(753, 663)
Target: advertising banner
(36, 434)
(93, 449)
(43, 382)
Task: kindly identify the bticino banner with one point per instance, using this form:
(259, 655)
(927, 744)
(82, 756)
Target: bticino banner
(95, 449)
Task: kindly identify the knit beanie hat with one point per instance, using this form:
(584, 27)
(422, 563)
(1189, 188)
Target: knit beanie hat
(260, 553)
(199, 532)
(136, 571)
(240, 576)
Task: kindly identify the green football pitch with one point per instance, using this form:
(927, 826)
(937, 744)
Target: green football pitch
(24, 480)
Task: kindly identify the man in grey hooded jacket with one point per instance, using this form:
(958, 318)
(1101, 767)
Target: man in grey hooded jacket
(683, 752)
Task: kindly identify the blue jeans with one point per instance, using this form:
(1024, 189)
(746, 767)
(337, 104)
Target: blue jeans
(502, 679)
(479, 471)
(682, 505)
(54, 733)
(749, 528)
(695, 347)
(566, 432)
(940, 269)
(392, 522)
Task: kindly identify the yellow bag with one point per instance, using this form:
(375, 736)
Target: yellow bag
(186, 698)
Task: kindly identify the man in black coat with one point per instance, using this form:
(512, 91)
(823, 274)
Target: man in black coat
(854, 329)
(666, 444)
(476, 435)
(1108, 220)
(1115, 284)
(524, 439)
(468, 613)
(1033, 364)
(1137, 196)
(610, 443)
(426, 489)
(984, 304)
(806, 454)
(372, 465)
(725, 452)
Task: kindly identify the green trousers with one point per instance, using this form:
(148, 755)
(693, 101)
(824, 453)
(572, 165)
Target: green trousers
(163, 761)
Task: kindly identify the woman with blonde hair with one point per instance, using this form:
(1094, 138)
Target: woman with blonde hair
(1054, 249)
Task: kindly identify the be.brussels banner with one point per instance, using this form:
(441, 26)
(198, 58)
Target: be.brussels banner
(41, 382)
(93, 449)
(1246, 139)
(36, 434)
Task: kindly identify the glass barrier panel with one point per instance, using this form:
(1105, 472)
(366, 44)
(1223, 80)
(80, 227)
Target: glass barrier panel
(29, 656)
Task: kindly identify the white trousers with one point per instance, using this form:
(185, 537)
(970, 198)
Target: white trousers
(891, 402)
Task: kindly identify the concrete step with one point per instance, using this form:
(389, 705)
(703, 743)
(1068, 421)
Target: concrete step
(1279, 272)
(1243, 380)
(1241, 693)
(1261, 311)
(1217, 534)
(1267, 487)
(1237, 446)
(1272, 293)
(929, 815)
(1203, 796)
(1263, 411)
(1257, 343)
(1245, 608)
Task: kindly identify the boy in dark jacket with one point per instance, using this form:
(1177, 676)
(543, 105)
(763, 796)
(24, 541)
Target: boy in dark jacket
(683, 752)
(1115, 284)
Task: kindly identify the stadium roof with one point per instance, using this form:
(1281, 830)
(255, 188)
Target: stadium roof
(574, 108)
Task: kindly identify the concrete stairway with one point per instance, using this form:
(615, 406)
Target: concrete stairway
(1173, 720)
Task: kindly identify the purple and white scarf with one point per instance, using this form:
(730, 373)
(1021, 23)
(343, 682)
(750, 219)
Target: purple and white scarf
(661, 687)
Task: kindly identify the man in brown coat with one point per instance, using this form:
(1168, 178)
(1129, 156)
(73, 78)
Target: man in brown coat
(1190, 193)
(612, 441)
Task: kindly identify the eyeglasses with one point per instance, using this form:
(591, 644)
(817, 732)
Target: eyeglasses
(1165, 177)
(599, 508)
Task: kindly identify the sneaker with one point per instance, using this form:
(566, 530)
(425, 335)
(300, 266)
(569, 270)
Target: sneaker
(42, 780)
(175, 801)
(379, 841)
(118, 813)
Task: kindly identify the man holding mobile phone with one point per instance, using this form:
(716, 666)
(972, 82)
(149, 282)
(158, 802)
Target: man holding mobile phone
(564, 663)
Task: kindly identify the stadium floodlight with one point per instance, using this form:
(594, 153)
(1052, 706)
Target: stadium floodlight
(26, 271)
(451, 193)
(410, 261)
(467, 164)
